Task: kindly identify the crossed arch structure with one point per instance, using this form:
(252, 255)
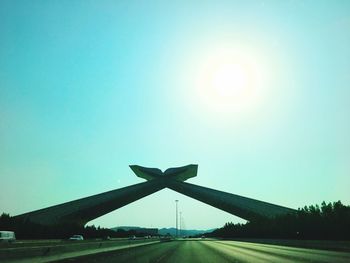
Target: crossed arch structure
(81, 211)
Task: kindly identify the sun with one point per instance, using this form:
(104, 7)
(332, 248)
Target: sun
(229, 81)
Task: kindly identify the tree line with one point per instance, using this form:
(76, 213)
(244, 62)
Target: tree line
(328, 221)
(30, 230)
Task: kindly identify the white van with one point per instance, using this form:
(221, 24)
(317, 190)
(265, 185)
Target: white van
(7, 236)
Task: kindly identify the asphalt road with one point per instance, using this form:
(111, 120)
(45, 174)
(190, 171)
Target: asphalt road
(214, 251)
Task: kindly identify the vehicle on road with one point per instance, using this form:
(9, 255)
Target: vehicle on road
(7, 236)
(76, 238)
(132, 237)
(166, 238)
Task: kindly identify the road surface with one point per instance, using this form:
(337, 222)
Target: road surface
(214, 251)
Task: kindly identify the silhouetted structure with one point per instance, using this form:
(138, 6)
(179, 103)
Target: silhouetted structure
(178, 173)
(81, 211)
(243, 207)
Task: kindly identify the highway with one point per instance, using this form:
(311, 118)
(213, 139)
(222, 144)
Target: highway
(213, 251)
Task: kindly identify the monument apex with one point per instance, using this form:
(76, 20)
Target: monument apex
(177, 173)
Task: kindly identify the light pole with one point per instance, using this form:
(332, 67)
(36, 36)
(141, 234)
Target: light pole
(180, 228)
(176, 201)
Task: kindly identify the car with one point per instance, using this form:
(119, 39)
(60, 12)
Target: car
(76, 238)
(166, 238)
(132, 237)
(7, 236)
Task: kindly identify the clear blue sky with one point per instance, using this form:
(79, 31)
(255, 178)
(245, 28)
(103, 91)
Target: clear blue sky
(89, 87)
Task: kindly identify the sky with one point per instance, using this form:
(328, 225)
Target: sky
(255, 92)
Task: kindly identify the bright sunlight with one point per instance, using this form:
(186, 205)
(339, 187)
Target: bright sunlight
(229, 81)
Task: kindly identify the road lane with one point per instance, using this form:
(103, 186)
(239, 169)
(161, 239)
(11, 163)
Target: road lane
(214, 251)
(289, 253)
(170, 252)
(63, 250)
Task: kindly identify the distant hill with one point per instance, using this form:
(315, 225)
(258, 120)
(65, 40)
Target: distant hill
(139, 230)
(183, 232)
(126, 228)
(164, 231)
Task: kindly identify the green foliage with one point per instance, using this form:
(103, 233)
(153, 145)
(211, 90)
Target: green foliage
(328, 221)
(29, 230)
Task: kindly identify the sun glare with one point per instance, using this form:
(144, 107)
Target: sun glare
(229, 81)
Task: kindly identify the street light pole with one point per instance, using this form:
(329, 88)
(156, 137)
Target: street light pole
(176, 201)
(180, 228)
